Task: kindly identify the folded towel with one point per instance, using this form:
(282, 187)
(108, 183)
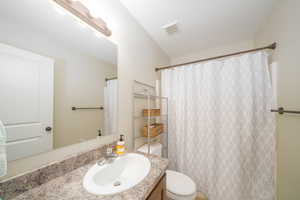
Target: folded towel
(3, 160)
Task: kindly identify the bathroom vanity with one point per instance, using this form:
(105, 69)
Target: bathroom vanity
(159, 192)
(64, 180)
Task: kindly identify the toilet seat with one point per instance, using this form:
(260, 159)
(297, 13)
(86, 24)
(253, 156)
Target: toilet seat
(180, 186)
(172, 196)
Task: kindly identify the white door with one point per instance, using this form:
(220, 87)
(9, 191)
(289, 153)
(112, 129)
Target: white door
(26, 101)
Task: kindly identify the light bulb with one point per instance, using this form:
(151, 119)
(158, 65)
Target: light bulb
(81, 24)
(98, 35)
(59, 10)
(94, 13)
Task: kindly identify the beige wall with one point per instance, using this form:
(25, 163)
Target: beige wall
(79, 81)
(284, 27)
(138, 55)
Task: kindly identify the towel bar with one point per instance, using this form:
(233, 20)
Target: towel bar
(88, 108)
(282, 111)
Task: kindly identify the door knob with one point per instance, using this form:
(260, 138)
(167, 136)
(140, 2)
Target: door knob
(48, 128)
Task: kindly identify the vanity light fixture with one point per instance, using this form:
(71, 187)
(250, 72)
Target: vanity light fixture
(76, 8)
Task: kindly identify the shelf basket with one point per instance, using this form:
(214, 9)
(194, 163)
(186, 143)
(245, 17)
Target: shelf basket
(155, 130)
(153, 112)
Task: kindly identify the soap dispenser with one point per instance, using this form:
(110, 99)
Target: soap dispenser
(120, 149)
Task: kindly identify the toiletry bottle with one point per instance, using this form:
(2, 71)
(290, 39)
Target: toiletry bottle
(121, 146)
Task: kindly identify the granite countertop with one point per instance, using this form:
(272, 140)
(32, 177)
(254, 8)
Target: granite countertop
(70, 185)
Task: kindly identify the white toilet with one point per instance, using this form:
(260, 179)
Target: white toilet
(179, 186)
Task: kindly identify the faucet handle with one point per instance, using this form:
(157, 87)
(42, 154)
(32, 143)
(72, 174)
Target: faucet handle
(109, 150)
(101, 162)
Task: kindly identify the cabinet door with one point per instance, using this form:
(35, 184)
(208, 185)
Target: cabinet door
(159, 192)
(26, 101)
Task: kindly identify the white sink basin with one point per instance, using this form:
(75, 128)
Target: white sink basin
(122, 174)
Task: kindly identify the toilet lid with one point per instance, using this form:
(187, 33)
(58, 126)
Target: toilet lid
(180, 184)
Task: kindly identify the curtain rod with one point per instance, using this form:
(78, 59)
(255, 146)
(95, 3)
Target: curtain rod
(271, 46)
(112, 78)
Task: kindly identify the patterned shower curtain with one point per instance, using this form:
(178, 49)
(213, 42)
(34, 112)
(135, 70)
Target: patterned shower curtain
(221, 130)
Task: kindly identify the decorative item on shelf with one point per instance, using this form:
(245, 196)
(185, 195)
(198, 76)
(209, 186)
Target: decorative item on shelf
(155, 130)
(153, 112)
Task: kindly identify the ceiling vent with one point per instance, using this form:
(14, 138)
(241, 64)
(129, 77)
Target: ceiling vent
(171, 28)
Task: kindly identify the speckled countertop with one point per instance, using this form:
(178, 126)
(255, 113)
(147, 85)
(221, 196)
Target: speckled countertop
(70, 185)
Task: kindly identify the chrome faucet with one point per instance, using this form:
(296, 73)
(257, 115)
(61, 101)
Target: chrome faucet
(109, 157)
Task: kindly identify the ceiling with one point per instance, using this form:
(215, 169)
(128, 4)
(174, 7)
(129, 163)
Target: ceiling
(202, 24)
(42, 16)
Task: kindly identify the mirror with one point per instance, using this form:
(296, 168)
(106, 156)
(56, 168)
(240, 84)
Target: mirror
(58, 79)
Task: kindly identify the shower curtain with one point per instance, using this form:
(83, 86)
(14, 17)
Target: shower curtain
(111, 107)
(221, 130)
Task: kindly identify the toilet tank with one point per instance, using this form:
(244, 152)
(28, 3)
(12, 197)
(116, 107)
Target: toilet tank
(155, 148)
